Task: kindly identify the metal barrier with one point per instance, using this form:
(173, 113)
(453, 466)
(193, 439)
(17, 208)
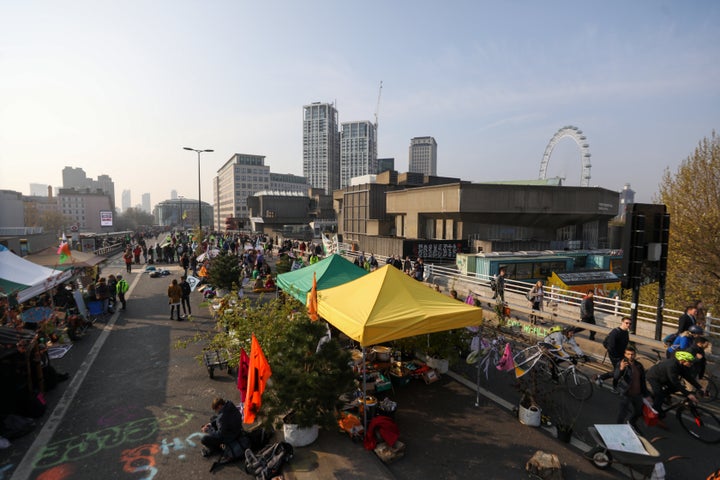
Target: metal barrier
(565, 304)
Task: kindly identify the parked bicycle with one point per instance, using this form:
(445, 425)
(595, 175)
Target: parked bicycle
(545, 358)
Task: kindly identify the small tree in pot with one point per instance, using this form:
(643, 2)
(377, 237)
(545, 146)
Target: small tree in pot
(307, 380)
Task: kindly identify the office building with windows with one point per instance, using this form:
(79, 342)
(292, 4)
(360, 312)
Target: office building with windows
(321, 146)
(358, 151)
(423, 156)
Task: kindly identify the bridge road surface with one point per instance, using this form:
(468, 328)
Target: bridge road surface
(134, 406)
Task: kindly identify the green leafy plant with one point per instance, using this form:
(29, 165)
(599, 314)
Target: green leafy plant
(224, 271)
(305, 384)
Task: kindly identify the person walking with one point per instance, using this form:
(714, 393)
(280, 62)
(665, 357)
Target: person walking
(121, 287)
(537, 296)
(500, 285)
(112, 287)
(687, 319)
(615, 343)
(185, 299)
(128, 257)
(174, 297)
(629, 376)
(587, 311)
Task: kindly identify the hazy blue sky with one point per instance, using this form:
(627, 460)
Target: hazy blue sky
(119, 87)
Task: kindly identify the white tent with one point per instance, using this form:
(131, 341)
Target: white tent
(26, 278)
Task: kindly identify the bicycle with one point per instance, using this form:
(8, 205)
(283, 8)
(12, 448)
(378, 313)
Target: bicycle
(708, 382)
(544, 357)
(697, 421)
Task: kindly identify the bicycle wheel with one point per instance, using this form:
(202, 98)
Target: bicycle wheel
(578, 384)
(699, 423)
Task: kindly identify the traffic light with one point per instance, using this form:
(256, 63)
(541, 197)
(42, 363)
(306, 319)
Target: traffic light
(645, 244)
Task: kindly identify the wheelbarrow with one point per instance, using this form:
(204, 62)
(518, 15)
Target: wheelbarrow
(627, 448)
(216, 359)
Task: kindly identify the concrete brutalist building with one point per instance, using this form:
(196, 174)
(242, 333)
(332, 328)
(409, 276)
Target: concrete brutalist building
(381, 217)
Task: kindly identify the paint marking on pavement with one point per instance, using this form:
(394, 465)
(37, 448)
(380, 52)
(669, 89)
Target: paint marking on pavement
(25, 468)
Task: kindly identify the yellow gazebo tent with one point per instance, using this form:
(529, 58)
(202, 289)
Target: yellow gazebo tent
(388, 305)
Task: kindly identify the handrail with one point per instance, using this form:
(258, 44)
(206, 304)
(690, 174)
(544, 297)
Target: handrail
(566, 303)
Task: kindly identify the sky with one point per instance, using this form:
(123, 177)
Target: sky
(118, 88)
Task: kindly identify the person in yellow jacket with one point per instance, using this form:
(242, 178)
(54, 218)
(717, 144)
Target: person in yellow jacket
(174, 296)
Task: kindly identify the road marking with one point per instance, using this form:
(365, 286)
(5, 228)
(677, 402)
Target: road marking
(25, 468)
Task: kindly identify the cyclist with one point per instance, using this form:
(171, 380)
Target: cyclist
(684, 340)
(557, 343)
(698, 350)
(664, 379)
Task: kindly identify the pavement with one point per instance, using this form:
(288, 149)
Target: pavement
(450, 431)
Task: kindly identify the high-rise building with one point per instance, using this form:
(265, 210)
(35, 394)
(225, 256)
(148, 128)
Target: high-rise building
(627, 196)
(358, 151)
(126, 200)
(146, 202)
(173, 195)
(321, 146)
(423, 156)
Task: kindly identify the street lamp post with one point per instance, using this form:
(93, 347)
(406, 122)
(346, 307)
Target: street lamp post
(182, 218)
(199, 196)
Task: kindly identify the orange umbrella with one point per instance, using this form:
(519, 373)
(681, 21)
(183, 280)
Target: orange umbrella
(258, 374)
(312, 305)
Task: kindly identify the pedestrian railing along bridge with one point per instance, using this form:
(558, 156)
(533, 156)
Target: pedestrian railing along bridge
(560, 304)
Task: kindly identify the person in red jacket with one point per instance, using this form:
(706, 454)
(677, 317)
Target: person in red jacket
(128, 257)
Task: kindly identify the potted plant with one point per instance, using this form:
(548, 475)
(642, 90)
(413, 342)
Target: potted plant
(565, 413)
(306, 380)
(308, 377)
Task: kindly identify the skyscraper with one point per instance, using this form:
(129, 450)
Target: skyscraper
(358, 151)
(423, 156)
(146, 202)
(321, 146)
(126, 200)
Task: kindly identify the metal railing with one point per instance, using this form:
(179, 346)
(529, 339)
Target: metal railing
(564, 303)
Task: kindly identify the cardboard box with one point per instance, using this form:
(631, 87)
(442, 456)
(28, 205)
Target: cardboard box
(431, 376)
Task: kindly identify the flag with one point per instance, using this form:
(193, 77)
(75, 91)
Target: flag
(506, 361)
(243, 367)
(312, 306)
(192, 281)
(184, 215)
(203, 272)
(64, 252)
(258, 374)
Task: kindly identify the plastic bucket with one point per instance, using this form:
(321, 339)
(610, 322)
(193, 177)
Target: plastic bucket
(530, 416)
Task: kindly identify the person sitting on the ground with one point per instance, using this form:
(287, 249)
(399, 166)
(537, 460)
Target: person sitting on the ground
(269, 283)
(259, 284)
(224, 427)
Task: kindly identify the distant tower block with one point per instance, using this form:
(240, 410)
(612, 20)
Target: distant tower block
(576, 134)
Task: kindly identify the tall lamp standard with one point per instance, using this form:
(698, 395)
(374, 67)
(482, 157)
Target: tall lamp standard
(182, 213)
(199, 198)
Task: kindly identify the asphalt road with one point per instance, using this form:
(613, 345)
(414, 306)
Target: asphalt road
(135, 403)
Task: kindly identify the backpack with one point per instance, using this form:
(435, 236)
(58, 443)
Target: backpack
(529, 295)
(268, 462)
(493, 284)
(670, 339)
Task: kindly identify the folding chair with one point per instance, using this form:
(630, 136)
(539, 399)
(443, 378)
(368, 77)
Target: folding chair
(95, 310)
